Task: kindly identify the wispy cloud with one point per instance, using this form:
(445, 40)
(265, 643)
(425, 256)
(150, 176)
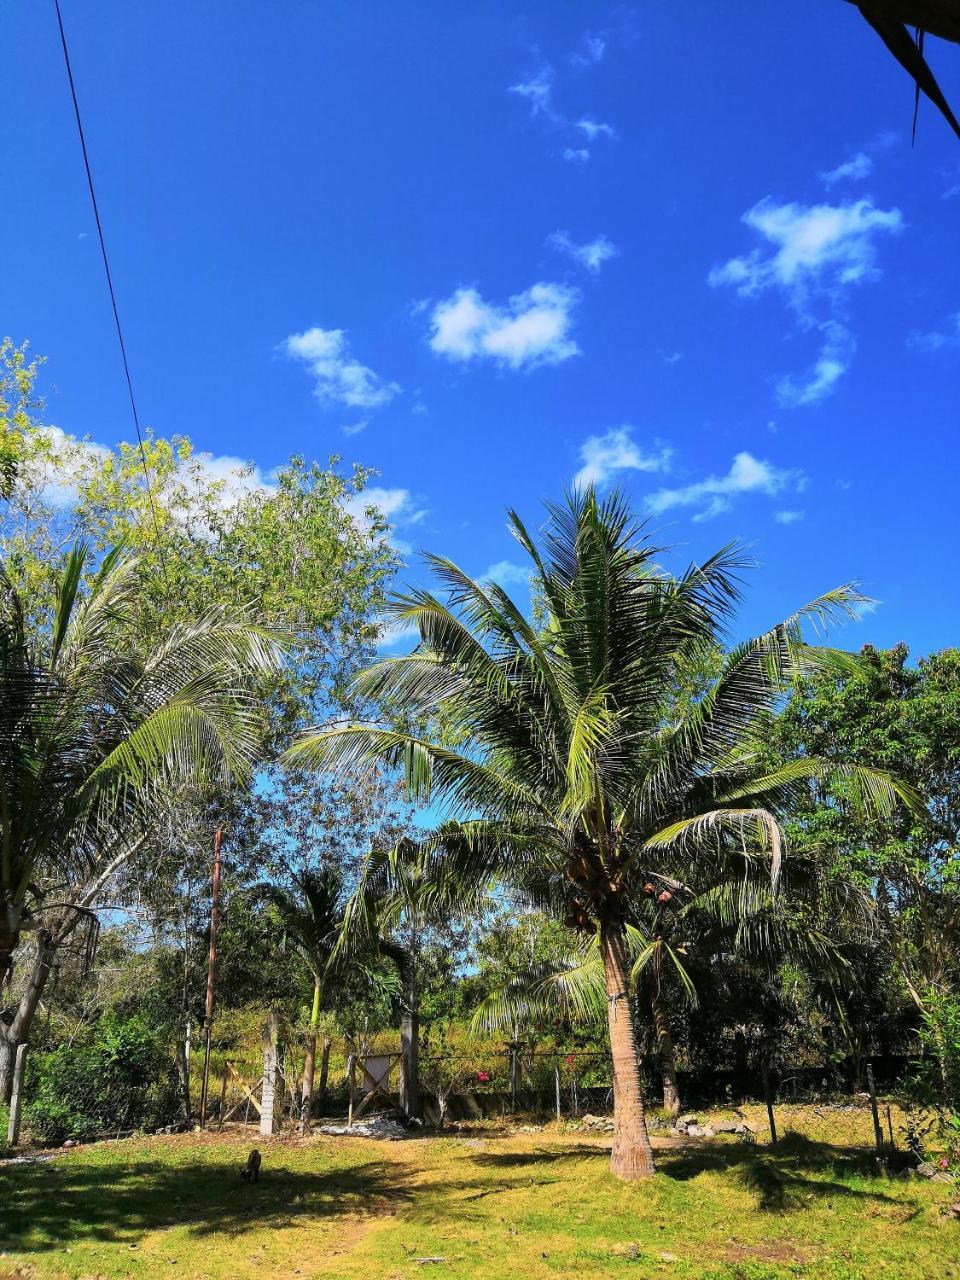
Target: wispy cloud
(717, 494)
(354, 428)
(603, 457)
(859, 166)
(591, 255)
(594, 129)
(813, 255)
(788, 517)
(338, 378)
(937, 340)
(532, 329)
(836, 354)
(591, 51)
(537, 92)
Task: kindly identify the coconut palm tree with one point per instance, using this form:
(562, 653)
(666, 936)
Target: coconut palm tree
(581, 769)
(94, 721)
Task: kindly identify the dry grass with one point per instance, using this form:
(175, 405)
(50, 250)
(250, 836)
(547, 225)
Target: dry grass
(492, 1204)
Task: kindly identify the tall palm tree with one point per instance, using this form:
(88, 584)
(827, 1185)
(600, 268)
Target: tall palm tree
(94, 721)
(581, 769)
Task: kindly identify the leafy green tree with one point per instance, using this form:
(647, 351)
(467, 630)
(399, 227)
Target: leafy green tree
(905, 719)
(18, 406)
(94, 723)
(296, 549)
(581, 776)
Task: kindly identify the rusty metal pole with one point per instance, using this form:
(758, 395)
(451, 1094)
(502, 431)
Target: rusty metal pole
(211, 973)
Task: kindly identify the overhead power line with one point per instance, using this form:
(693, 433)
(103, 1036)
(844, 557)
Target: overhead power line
(113, 296)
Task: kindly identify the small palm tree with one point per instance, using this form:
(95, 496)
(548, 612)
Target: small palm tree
(584, 775)
(311, 911)
(94, 721)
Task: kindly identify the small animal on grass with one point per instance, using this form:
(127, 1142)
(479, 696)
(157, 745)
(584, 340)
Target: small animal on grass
(252, 1171)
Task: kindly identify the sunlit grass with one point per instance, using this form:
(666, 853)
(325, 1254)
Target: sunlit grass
(493, 1204)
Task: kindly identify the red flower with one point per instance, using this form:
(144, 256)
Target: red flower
(570, 1059)
(483, 1076)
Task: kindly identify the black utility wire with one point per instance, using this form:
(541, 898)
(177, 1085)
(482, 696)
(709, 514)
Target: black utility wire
(113, 296)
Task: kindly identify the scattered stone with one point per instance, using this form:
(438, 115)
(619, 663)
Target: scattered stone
(597, 1124)
(927, 1170)
(376, 1127)
(690, 1118)
(951, 1210)
(70, 1142)
(728, 1126)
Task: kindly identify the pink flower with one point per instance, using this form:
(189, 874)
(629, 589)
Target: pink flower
(943, 1162)
(483, 1076)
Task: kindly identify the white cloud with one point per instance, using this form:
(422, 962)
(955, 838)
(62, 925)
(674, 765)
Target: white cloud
(591, 255)
(937, 340)
(533, 328)
(538, 92)
(814, 255)
(394, 634)
(507, 574)
(338, 377)
(234, 478)
(836, 354)
(816, 248)
(671, 357)
(852, 170)
(396, 506)
(591, 51)
(788, 517)
(65, 463)
(576, 155)
(603, 456)
(354, 428)
(716, 494)
(594, 129)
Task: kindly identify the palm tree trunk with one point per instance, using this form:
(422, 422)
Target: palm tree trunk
(18, 1030)
(324, 1070)
(668, 1061)
(632, 1155)
(306, 1102)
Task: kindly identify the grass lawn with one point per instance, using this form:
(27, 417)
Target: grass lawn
(491, 1204)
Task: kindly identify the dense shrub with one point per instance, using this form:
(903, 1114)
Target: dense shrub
(120, 1077)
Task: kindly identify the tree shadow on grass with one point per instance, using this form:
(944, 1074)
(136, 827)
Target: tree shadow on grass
(779, 1174)
(44, 1206)
(549, 1155)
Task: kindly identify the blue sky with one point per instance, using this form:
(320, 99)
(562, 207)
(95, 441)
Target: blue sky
(486, 249)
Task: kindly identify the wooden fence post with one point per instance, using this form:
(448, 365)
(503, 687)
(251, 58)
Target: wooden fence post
(271, 1055)
(16, 1097)
(351, 1075)
(877, 1130)
(556, 1081)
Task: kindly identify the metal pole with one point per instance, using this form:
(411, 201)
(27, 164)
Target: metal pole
(556, 1081)
(211, 973)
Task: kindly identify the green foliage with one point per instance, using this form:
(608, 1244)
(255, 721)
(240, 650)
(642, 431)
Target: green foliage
(292, 551)
(18, 407)
(119, 1077)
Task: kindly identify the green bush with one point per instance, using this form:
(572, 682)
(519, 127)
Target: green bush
(121, 1077)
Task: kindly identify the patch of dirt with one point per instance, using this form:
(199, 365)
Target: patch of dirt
(782, 1252)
